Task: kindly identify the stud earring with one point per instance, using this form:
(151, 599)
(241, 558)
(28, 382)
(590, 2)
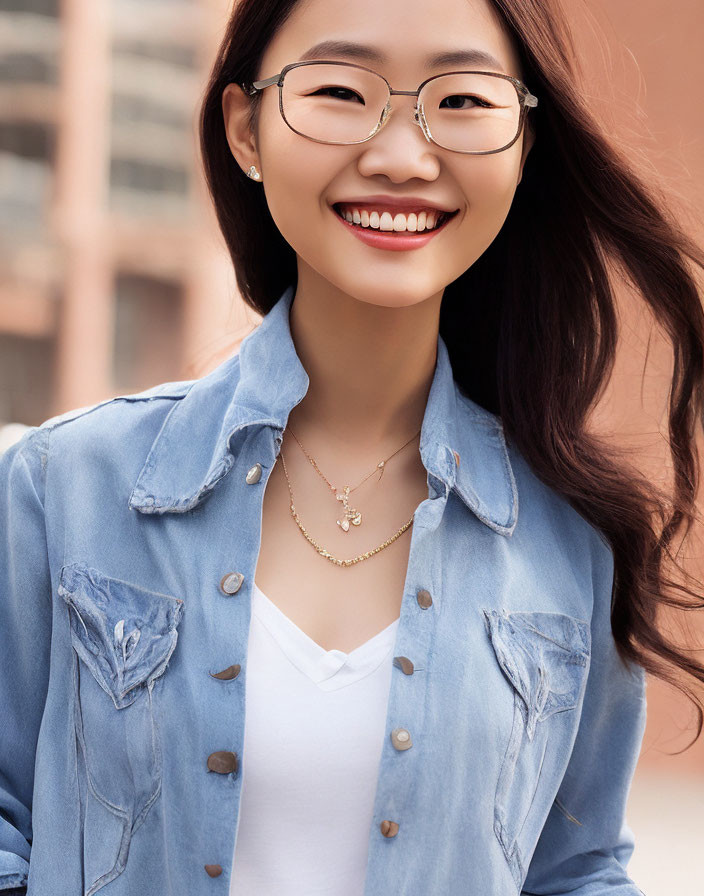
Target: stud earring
(254, 174)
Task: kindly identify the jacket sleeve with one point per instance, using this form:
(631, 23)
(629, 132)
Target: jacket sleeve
(25, 636)
(586, 843)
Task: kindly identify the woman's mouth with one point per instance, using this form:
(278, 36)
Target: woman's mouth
(392, 230)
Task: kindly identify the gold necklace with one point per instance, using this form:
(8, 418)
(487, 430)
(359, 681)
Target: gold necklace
(327, 554)
(352, 515)
(321, 550)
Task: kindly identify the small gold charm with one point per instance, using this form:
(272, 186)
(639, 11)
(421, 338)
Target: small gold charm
(350, 513)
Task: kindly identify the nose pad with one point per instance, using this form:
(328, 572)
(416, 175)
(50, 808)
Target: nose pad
(419, 119)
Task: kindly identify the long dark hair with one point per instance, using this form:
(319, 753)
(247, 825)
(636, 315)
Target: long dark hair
(531, 326)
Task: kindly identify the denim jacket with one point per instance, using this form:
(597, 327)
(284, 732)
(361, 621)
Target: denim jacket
(129, 535)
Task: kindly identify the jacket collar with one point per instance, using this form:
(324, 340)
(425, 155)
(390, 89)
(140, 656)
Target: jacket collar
(265, 380)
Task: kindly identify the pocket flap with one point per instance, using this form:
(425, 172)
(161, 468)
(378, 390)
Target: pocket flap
(543, 655)
(123, 633)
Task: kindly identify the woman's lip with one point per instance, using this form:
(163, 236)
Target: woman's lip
(392, 239)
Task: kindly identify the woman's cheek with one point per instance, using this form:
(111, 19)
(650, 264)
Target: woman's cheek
(493, 178)
(491, 193)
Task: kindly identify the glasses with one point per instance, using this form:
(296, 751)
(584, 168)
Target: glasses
(344, 103)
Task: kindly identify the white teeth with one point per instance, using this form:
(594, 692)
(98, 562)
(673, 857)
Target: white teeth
(398, 222)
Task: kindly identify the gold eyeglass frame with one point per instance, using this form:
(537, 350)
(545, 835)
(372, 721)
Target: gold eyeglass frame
(525, 98)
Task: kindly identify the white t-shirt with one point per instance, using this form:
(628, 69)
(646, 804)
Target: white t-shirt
(314, 731)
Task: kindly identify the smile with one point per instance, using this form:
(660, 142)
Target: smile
(379, 231)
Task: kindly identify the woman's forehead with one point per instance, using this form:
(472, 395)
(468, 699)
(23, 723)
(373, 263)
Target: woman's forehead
(398, 33)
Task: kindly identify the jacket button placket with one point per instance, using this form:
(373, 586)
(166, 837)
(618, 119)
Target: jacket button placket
(401, 737)
(224, 762)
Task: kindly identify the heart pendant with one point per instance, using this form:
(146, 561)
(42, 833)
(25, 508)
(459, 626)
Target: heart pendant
(344, 525)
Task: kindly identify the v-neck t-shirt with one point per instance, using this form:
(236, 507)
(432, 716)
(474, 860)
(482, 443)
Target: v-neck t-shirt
(314, 730)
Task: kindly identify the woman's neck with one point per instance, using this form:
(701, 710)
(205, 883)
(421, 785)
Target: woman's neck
(370, 369)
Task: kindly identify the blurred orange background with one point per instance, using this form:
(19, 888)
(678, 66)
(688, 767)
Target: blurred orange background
(113, 275)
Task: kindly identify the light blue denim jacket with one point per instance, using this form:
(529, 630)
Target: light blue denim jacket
(118, 524)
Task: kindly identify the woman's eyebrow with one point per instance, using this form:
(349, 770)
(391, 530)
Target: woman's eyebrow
(338, 48)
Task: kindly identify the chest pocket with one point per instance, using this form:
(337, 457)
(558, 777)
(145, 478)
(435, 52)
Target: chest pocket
(123, 637)
(545, 658)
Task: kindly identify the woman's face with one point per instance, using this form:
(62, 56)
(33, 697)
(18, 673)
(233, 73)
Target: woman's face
(302, 179)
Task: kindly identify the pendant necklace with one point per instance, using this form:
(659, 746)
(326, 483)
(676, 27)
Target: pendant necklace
(352, 515)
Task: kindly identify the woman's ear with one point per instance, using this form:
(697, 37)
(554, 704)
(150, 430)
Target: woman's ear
(528, 141)
(236, 110)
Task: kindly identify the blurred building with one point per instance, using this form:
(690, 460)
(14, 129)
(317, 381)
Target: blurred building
(111, 276)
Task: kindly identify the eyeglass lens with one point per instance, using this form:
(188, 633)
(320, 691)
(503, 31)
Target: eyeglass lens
(465, 112)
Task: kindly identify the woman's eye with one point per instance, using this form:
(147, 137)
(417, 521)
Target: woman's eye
(337, 91)
(475, 100)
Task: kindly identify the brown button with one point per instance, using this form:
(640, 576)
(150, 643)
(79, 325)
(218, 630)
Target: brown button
(231, 582)
(424, 599)
(401, 739)
(223, 762)
(227, 674)
(457, 458)
(404, 664)
(389, 828)
(214, 870)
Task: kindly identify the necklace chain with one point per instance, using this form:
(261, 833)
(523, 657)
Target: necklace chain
(380, 466)
(354, 514)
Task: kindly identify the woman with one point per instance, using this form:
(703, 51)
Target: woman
(441, 696)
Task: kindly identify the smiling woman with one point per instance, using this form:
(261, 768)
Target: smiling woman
(222, 673)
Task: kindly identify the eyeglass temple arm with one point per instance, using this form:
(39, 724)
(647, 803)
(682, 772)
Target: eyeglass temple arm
(252, 88)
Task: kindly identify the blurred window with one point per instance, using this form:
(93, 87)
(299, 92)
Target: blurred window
(26, 177)
(142, 176)
(28, 139)
(40, 7)
(28, 68)
(25, 189)
(173, 54)
(26, 370)
(148, 332)
(130, 109)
